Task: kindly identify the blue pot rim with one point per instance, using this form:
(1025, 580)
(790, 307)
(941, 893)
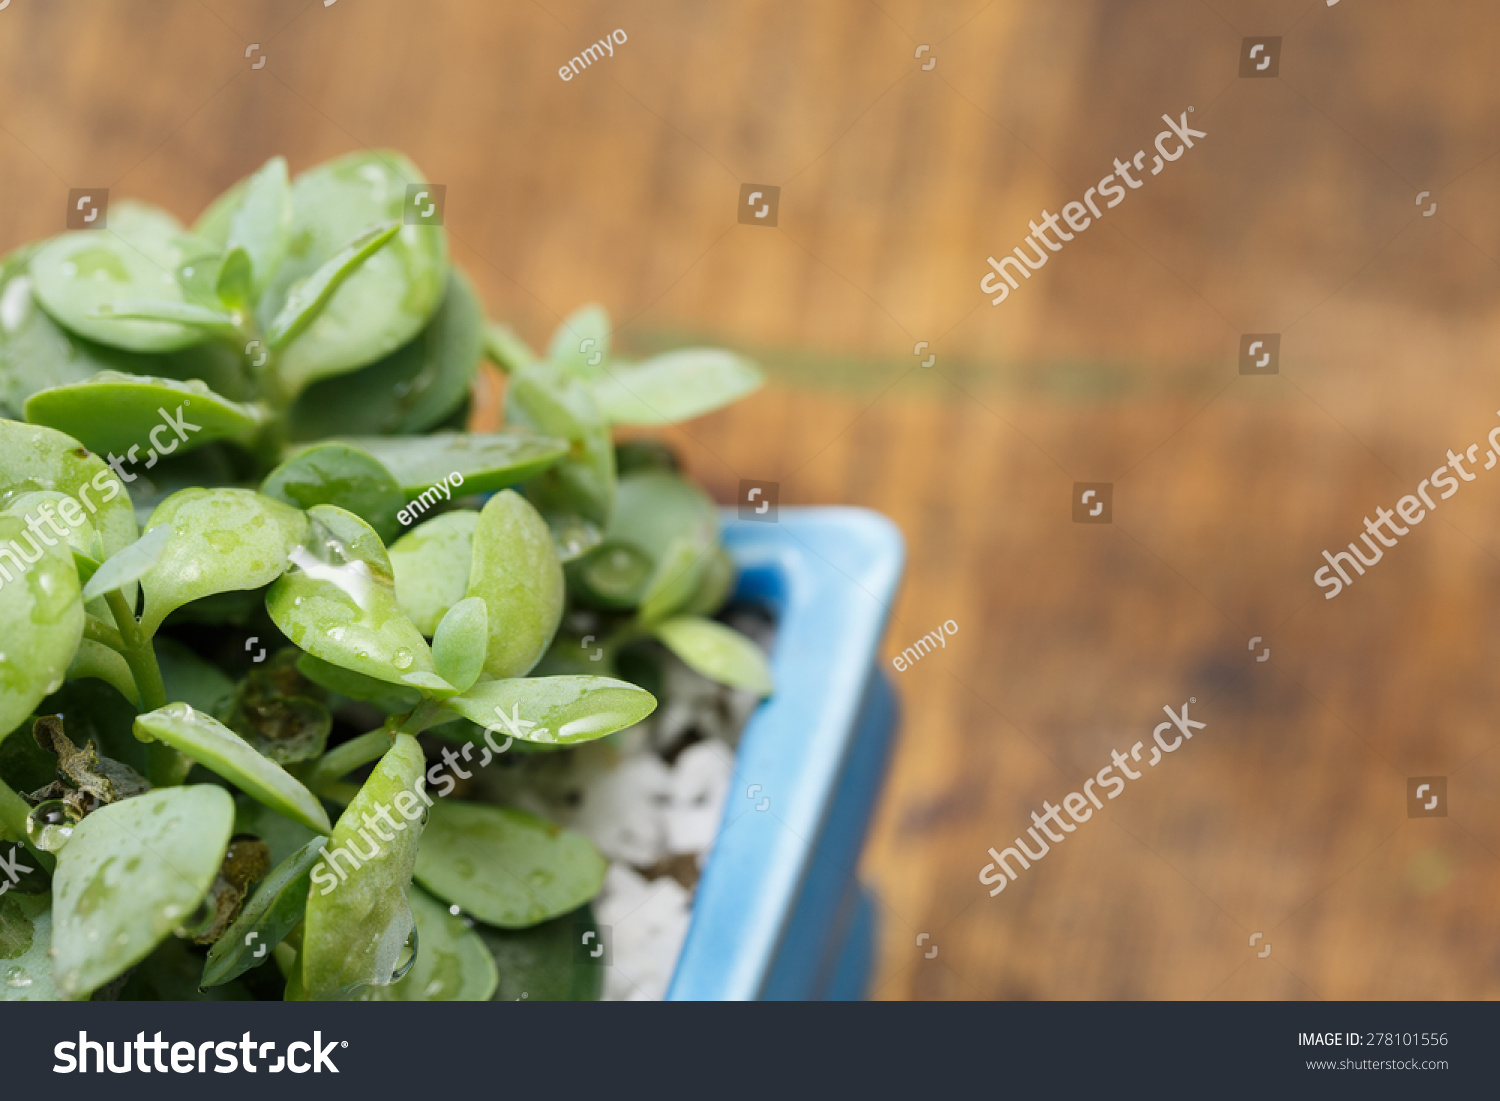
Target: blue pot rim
(829, 576)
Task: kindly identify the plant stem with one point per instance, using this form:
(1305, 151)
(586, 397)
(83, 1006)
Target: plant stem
(103, 633)
(348, 757)
(138, 654)
(165, 767)
(420, 718)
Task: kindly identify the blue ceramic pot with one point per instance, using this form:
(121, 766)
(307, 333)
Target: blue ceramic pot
(779, 912)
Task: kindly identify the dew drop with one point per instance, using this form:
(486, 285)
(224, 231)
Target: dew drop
(402, 659)
(50, 824)
(16, 978)
(408, 957)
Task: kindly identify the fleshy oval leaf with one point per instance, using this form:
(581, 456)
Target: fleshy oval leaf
(516, 572)
(338, 474)
(274, 910)
(547, 399)
(338, 601)
(452, 964)
(141, 418)
(137, 256)
(484, 463)
(720, 653)
(219, 749)
(580, 345)
(358, 918)
(389, 298)
(261, 224)
(504, 866)
(41, 619)
(128, 565)
(675, 386)
(460, 643)
(223, 540)
(431, 564)
(34, 458)
(25, 944)
(413, 389)
(307, 297)
(561, 710)
(131, 873)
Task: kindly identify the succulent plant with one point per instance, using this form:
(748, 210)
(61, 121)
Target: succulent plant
(241, 521)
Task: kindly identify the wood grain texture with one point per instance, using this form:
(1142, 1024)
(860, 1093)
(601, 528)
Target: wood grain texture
(1117, 362)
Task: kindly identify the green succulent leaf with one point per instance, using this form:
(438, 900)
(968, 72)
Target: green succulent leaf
(81, 536)
(516, 572)
(675, 386)
(132, 872)
(562, 710)
(35, 351)
(358, 918)
(549, 400)
(274, 910)
(137, 256)
(41, 619)
(391, 698)
(114, 413)
(384, 303)
(306, 298)
(25, 938)
(259, 228)
(232, 285)
(458, 645)
(96, 660)
(432, 564)
(338, 602)
(338, 474)
(676, 579)
(657, 513)
(452, 965)
(720, 653)
(506, 867)
(128, 565)
(165, 310)
(425, 465)
(580, 345)
(506, 348)
(542, 964)
(216, 747)
(33, 459)
(413, 389)
(572, 535)
(223, 540)
(714, 586)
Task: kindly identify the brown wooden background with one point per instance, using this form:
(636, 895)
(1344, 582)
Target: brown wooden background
(1297, 214)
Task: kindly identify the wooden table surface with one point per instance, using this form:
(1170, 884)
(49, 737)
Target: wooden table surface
(1298, 213)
